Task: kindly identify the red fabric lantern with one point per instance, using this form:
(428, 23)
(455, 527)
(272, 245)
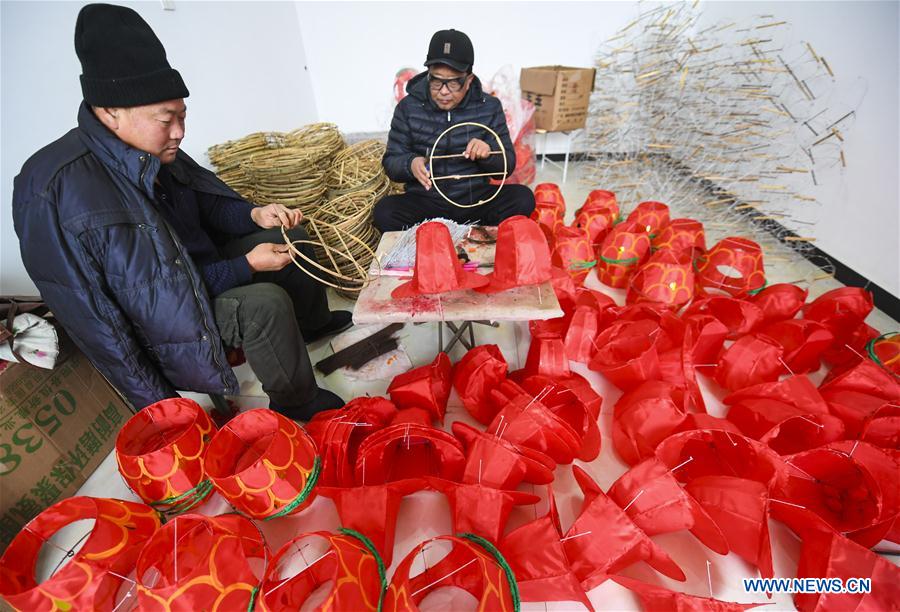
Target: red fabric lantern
(574, 383)
(803, 341)
(803, 432)
(885, 351)
(882, 429)
(644, 417)
(620, 254)
(372, 510)
(263, 464)
(564, 287)
(549, 206)
(480, 370)
(739, 316)
(603, 540)
(682, 236)
(89, 579)
(406, 451)
(627, 353)
(473, 564)
(780, 301)
(597, 215)
(830, 555)
(522, 256)
(708, 335)
(733, 266)
(573, 253)
(850, 343)
(547, 356)
(160, 451)
(351, 565)
(749, 361)
(197, 562)
(757, 409)
(651, 216)
(592, 313)
(654, 597)
(854, 394)
(538, 560)
(480, 509)
(739, 507)
(425, 387)
(840, 306)
(666, 278)
(437, 269)
(495, 462)
(653, 499)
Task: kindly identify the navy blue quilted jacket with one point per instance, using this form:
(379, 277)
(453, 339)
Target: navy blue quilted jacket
(418, 122)
(112, 270)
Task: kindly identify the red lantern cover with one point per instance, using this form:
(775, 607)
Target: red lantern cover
(803, 432)
(651, 216)
(592, 313)
(603, 540)
(757, 409)
(574, 383)
(160, 450)
(522, 256)
(734, 266)
(681, 236)
(597, 215)
(263, 464)
(654, 597)
(573, 253)
(372, 510)
(473, 564)
(644, 417)
(850, 343)
(424, 387)
(547, 356)
(838, 307)
(408, 450)
(780, 301)
(621, 252)
(882, 429)
(803, 341)
(627, 353)
(480, 509)
(480, 369)
(538, 559)
(653, 499)
(89, 579)
(666, 278)
(749, 361)
(830, 555)
(739, 316)
(549, 206)
(197, 562)
(351, 564)
(855, 393)
(495, 462)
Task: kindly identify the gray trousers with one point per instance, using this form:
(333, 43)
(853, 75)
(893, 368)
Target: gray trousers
(266, 317)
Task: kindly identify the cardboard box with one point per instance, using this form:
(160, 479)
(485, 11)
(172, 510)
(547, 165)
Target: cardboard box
(560, 95)
(56, 427)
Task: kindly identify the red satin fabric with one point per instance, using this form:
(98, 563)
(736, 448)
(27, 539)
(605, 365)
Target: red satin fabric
(424, 387)
(260, 462)
(160, 450)
(743, 257)
(437, 269)
(666, 278)
(573, 253)
(574, 383)
(681, 236)
(739, 316)
(496, 463)
(654, 597)
(609, 540)
(644, 417)
(804, 432)
(757, 409)
(372, 510)
(751, 360)
(651, 216)
(522, 256)
(350, 567)
(627, 353)
(547, 356)
(89, 580)
(593, 312)
(620, 254)
(698, 453)
(780, 301)
(403, 451)
(480, 370)
(803, 340)
(206, 568)
(484, 578)
(855, 393)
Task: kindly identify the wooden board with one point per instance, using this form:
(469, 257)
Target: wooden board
(375, 304)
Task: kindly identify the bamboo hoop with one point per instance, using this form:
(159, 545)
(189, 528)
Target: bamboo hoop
(356, 167)
(435, 179)
(335, 272)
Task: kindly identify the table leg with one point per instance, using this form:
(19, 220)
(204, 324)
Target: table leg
(471, 336)
(457, 335)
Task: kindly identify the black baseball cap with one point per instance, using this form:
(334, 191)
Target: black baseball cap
(453, 48)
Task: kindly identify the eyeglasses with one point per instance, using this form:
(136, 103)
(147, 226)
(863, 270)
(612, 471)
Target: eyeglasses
(453, 85)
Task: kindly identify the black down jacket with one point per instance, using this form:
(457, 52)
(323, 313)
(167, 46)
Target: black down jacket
(111, 269)
(418, 122)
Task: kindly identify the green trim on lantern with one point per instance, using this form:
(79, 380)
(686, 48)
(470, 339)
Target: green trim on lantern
(192, 497)
(870, 348)
(303, 495)
(620, 262)
(252, 601)
(501, 561)
(382, 571)
(582, 265)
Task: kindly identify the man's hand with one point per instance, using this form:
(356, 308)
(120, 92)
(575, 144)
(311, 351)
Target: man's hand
(268, 257)
(477, 149)
(276, 215)
(421, 172)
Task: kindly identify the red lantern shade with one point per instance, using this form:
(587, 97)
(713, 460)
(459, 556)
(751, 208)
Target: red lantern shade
(739, 316)
(882, 429)
(197, 562)
(160, 454)
(473, 564)
(666, 278)
(547, 356)
(603, 540)
(91, 578)
(263, 464)
(830, 555)
(480, 509)
(803, 432)
(681, 236)
(854, 394)
(597, 215)
(840, 307)
(654, 597)
(522, 256)
(549, 206)
(850, 343)
(437, 269)
(780, 301)
(733, 266)
(424, 387)
(592, 313)
(408, 450)
(494, 462)
(621, 252)
(480, 370)
(627, 353)
(644, 417)
(749, 361)
(651, 216)
(351, 565)
(757, 409)
(573, 253)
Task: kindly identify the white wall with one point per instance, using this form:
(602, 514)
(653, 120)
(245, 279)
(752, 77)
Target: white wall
(243, 63)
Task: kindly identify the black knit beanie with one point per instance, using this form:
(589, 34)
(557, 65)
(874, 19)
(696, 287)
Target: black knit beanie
(123, 62)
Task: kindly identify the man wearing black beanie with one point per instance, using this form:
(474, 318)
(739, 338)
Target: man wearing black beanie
(150, 262)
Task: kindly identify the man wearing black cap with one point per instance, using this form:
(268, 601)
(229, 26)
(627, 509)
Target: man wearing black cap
(148, 260)
(444, 95)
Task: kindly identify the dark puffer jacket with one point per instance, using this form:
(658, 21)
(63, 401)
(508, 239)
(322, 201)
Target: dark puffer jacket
(418, 122)
(112, 270)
